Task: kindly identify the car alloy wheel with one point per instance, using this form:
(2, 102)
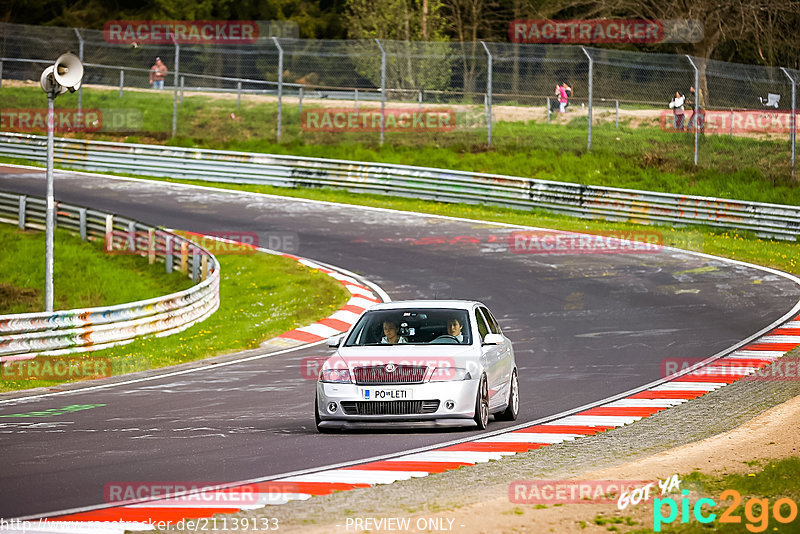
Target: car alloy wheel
(511, 412)
(482, 405)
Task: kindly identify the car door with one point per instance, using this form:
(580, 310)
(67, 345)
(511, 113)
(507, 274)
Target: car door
(490, 358)
(504, 360)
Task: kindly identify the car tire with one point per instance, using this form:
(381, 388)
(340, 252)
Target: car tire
(512, 410)
(482, 404)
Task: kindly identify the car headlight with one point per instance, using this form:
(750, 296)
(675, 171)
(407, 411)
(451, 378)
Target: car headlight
(446, 374)
(336, 376)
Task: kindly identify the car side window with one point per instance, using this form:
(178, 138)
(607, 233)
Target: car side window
(493, 326)
(482, 328)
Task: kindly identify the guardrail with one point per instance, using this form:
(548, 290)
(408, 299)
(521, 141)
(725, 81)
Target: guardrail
(27, 335)
(768, 220)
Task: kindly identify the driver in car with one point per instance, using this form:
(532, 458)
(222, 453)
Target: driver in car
(391, 333)
(454, 327)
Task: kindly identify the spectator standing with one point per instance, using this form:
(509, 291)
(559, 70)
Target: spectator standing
(563, 98)
(157, 74)
(676, 105)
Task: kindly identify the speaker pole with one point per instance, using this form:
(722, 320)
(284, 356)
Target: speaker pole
(64, 75)
(51, 205)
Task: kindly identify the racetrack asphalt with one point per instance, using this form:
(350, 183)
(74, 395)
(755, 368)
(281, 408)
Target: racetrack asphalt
(584, 327)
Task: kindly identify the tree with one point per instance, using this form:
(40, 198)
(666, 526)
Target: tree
(727, 24)
(413, 35)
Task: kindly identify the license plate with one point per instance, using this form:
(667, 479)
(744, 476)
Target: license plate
(386, 394)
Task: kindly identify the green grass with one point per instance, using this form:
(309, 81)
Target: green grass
(771, 480)
(638, 158)
(261, 296)
(83, 275)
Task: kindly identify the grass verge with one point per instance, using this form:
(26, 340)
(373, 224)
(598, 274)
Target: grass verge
(261, 296)
(84, 276)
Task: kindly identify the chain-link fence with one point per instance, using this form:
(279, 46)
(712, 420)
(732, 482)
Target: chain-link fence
(488, 89)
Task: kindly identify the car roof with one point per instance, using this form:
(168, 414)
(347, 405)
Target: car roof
(430, 304)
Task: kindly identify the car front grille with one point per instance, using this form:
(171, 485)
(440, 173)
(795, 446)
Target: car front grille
(402, 374)
(390, 407)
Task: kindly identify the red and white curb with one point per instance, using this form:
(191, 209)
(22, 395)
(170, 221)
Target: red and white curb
(362, 298)
(745, 361)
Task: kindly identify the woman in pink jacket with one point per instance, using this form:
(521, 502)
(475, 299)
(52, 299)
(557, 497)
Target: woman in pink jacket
(563, 98)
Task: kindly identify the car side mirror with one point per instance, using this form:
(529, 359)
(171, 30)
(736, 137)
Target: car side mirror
(493, 339)
(333, 342)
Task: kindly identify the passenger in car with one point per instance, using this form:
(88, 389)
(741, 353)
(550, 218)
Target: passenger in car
(391, 333)
(454, 327)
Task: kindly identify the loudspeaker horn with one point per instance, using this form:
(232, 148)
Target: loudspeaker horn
(68, 70)
(49, 83)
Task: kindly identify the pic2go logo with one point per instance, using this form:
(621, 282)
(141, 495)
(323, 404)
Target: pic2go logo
(756, 511)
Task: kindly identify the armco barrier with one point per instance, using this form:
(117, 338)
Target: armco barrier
(774, 220)
(24, 336)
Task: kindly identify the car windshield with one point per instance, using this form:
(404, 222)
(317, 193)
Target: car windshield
(415, 327)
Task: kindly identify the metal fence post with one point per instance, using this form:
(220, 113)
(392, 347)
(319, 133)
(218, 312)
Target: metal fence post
(280, 86)
(616, 113)
(151, 246)
(23, 200)
(300, 101)
(488, 96)
(793, 122)
(183, 81)
(168, 253)
(383, 88)
(239, 94)
(109, 232)
(82, 222)
(696, 104)
(80, 56)
(731, 122)
(121, 81)
(355, 100)
(184, 257)
(591, 88)
(195, 265)
(132, 236)
(50, 213)
(175, 92)
(419, 101)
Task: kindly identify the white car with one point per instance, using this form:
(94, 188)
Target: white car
(419, 363)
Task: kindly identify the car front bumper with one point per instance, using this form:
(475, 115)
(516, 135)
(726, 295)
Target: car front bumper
(461, 394)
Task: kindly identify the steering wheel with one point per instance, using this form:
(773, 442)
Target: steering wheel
(446, 338)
